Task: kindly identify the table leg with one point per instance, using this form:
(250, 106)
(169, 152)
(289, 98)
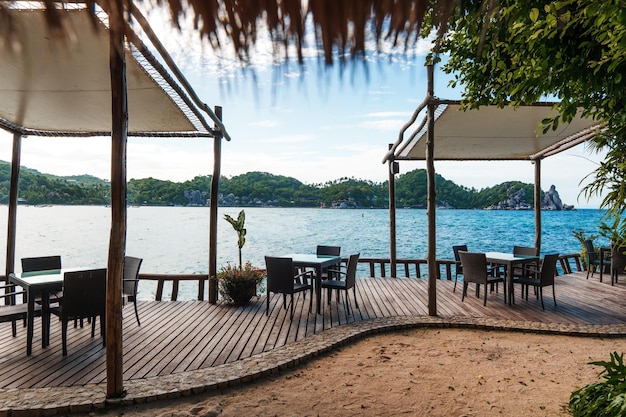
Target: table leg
(45, 319)
(318, 288)
(509, 282)
(30, 323)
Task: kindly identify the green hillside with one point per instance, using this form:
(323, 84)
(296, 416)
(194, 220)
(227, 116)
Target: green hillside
(259, 189)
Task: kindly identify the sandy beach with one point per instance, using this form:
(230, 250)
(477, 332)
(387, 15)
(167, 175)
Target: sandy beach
(434, 372)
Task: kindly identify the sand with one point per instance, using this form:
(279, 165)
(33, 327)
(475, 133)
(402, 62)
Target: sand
(434, 372)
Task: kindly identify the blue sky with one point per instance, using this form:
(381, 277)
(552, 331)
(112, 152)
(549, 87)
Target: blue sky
(309, 124)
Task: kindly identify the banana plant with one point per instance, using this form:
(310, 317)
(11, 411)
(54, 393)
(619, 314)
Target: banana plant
(238, 225)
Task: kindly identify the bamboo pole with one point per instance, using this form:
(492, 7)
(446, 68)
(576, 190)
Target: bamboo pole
(392, 215)
(215, 180)
(432, 202)
(13, 195)
(117, 242)
(538, 204)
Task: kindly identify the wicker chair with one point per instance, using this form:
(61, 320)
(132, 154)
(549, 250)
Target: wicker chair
(344, 284)
(594, 260)
(328, 250)
(618, 262)
(10, 311)
(282, 278)
(542, 278)
(475, 270)
(84, 296)
(130, 282)
(458, 266)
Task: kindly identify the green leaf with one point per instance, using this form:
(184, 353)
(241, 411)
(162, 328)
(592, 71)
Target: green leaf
(534, 14)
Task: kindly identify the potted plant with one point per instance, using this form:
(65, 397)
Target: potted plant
(238, 284)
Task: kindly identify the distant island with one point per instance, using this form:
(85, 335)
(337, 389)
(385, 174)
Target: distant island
(261, 189)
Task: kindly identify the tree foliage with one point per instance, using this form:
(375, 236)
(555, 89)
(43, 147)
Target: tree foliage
(257, 189)
(520, 51)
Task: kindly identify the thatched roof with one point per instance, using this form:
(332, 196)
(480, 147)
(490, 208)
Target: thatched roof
(341, 27)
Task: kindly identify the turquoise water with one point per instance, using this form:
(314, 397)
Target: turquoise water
(175, 239)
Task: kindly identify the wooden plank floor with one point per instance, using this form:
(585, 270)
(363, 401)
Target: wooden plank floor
(182, 336)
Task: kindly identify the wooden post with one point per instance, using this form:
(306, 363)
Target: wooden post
(117, 241)
(13, 195)
(392, 215)
(432, 201)
(538, 203)
(215, 180)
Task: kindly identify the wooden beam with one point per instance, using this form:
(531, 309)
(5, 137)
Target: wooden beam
(538, 203)
(13, 196)
(392, 215)
(215, 180)
(117, 241)
(432, 200)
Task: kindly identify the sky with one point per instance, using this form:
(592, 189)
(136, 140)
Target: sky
(312, 124)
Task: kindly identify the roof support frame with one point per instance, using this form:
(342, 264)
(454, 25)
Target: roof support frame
(427, 130)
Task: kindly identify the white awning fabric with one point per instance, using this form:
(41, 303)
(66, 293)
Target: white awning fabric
(492, 133)
(49, 87)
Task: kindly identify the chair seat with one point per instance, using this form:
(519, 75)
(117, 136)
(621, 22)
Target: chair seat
(298, 286)
(13, 312)
(525, 280)
(333, 284)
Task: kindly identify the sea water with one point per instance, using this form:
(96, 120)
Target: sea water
(175, 240)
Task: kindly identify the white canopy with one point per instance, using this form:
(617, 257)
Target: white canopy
(49, 87)
(492, 133)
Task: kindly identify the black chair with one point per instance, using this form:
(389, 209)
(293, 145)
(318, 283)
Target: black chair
(282, 278)
(10, 311)
(84, 296)
(344, 284)
(542, 278)
(618, 262)
(528, 268)
(44, 263)
(594, 260)
(458, 267)
(130, 282)
(328, 250)
(475, 270)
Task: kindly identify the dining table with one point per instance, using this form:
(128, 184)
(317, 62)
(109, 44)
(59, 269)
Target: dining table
(509, 260)
(38, 284)
(319, 263)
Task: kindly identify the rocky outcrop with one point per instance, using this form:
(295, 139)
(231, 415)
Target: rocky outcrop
(517, 201)
(551, 200)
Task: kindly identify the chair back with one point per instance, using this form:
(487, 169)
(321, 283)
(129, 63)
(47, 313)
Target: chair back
(41, 263)
(84, 293)
(353, 262)
(280, 275)
(130, 281)
(525, 250)
(328, 250)
(618, 259)
(548, 269)
(457, 258)
(591, 251)
(474, 267)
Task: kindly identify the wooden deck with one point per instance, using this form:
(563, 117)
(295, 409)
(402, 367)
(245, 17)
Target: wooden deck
(181, 336)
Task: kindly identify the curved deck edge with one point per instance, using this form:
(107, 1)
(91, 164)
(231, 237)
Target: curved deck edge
(67, 400)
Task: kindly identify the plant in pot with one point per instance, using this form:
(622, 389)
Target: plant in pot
(238, 284)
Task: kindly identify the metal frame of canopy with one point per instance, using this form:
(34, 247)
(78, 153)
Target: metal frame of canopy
(487, 133)
(104, 81)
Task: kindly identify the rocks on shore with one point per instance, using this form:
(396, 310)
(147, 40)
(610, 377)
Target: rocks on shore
(517, 201)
